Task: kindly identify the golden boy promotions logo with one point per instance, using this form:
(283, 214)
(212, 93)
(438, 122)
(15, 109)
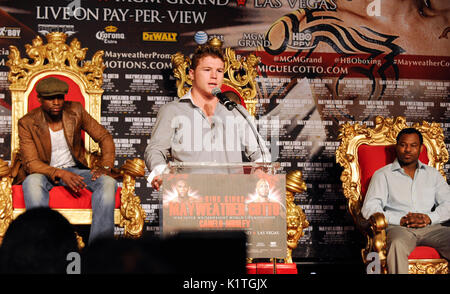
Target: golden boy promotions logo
(159, 36)
(9, 33)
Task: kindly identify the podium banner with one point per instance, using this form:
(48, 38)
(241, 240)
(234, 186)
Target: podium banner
(252, 203)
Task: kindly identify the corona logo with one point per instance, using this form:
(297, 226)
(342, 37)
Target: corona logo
(241, 2)
(111, 29)
(110, 35)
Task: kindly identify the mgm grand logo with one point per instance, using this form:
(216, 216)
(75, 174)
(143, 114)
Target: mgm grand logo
(110, 35)
(254, 40)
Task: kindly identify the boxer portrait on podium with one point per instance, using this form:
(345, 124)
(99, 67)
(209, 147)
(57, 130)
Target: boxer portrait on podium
(263, 194)
(182, 193)
(197, 128)
(415, 200)
(52, 153)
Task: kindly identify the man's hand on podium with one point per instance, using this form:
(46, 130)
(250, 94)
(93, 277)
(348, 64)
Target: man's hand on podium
(259, 171)
(157, 182)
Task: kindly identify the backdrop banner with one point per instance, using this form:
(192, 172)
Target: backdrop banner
(322, 63)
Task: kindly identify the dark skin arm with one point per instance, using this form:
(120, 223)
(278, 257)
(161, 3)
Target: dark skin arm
(74, 181)
(415, 220)
(98, 172)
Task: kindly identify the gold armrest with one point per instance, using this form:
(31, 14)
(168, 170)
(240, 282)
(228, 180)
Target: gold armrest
(378, 225)
(376, 239)
(134, 168)
(378, 222)
(5, 170)
(132, 216)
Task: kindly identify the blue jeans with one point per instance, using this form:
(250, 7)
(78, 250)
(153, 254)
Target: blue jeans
(36, 189)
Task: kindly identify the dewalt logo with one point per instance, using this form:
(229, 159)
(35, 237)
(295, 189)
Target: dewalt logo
(159, 37)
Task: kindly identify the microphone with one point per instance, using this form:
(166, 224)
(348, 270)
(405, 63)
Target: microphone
(230, 105)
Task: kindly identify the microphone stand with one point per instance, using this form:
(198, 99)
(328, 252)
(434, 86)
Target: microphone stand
(255, 133)
(230, 105)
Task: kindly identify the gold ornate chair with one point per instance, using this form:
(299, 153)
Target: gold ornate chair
(362, 151)
(240, 81)
(85, 78)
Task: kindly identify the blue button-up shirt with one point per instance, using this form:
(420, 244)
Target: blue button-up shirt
(394, 193)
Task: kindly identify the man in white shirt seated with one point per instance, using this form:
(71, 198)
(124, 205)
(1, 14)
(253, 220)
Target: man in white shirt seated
(415, 200)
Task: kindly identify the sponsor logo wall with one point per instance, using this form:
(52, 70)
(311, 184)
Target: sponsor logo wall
(319, 68)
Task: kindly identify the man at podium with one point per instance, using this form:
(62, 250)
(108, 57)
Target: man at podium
(197, 128)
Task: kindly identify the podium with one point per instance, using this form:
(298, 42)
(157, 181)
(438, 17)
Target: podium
(249, 197)
(228, 196)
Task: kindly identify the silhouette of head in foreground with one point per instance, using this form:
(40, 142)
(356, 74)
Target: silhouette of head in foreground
(38, 242)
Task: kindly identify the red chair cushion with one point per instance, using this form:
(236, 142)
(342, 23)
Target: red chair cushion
(267, 268)
(424, 252)
(60, 197)
(226, 88)
(372, 158)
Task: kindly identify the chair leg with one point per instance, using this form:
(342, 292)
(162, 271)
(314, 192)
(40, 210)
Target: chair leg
(80, 242)
(6, 208)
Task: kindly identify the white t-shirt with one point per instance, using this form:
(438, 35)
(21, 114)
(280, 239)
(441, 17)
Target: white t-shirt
(61, 156)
